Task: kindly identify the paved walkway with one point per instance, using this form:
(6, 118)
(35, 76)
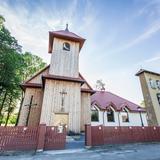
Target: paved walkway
(148, 151)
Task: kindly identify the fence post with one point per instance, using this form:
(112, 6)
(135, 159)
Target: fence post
(88, 136)
(41, 137)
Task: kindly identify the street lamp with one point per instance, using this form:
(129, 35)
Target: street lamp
(139, 110)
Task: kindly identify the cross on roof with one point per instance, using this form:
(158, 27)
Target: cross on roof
(30, 105)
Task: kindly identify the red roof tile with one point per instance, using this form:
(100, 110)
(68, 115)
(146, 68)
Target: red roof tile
(105, 99)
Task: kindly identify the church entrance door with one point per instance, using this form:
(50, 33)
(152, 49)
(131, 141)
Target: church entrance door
(60, 119)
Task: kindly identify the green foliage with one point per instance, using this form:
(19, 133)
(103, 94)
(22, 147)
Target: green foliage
(31, 65)
(15, 67)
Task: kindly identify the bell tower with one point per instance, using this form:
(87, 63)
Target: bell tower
(62, 86)
(64, 47)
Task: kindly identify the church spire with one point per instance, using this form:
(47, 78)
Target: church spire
(67, 27)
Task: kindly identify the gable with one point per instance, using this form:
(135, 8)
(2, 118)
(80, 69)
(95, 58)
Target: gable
(37, 78)
(85, 85)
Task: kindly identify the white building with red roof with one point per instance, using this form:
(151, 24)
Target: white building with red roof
(111, 110)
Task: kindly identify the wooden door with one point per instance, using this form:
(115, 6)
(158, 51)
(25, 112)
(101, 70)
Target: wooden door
(60, 119)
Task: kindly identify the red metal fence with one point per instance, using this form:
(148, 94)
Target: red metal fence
(32, 138)
(54, 139)
(18, 138)
(100, 135)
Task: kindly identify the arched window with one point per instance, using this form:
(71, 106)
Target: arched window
(94, 115)
(110, 115)
(66, 46)
(125, 115)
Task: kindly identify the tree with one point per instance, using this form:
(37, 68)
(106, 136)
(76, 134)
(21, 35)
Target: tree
(100, 85)
(31, 64)
(15, 67)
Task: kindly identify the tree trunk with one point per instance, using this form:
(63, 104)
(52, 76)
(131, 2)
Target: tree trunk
(1, 107)
(1, 90)
(22, 98)
(9, 112)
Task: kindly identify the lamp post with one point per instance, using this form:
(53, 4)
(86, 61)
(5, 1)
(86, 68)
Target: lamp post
(139, 110)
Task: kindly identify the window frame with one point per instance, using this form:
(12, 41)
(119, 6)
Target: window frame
(67, 44)
(127, 115)
(113, 112)
(94, 109)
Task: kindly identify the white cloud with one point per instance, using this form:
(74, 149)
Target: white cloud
(148, 33)
(31, 29)
(153, 59)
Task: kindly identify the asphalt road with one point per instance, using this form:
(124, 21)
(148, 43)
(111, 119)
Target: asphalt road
(147, 151)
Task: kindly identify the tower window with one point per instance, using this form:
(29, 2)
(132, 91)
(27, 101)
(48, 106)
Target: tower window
(110, 115)
(158, 97)
(152, 83)
(66, 46)
(158, 84)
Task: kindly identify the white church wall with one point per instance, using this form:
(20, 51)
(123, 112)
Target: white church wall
(134, 119)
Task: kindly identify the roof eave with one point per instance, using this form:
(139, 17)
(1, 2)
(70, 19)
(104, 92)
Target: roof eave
(51, 39)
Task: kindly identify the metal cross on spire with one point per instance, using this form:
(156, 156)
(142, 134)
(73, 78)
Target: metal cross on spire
(66, 27)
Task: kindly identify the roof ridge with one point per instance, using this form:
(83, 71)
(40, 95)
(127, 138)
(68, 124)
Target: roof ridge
(147, 71)
(68, 32)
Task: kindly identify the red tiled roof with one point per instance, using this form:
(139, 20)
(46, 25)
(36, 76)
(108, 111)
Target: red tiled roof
(65, 34)
(105, 99)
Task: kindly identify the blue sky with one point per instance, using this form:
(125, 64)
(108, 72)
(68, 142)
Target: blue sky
(122, 36)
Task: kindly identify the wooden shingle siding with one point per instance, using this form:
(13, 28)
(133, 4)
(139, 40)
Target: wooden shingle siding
(35, 110)
(52, 103)
(65, 63)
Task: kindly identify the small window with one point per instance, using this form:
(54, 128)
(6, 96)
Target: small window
(158, 84)
(94, 116)
(152, 84)
(158, 97)
(125, 116)
(110, 115)
(66, 46)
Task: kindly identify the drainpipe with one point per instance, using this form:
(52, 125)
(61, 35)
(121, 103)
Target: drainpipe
(139, 109)
(103, 118)
(119, 119)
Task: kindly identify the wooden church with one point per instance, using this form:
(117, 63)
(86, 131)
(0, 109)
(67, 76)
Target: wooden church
(58, 94)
